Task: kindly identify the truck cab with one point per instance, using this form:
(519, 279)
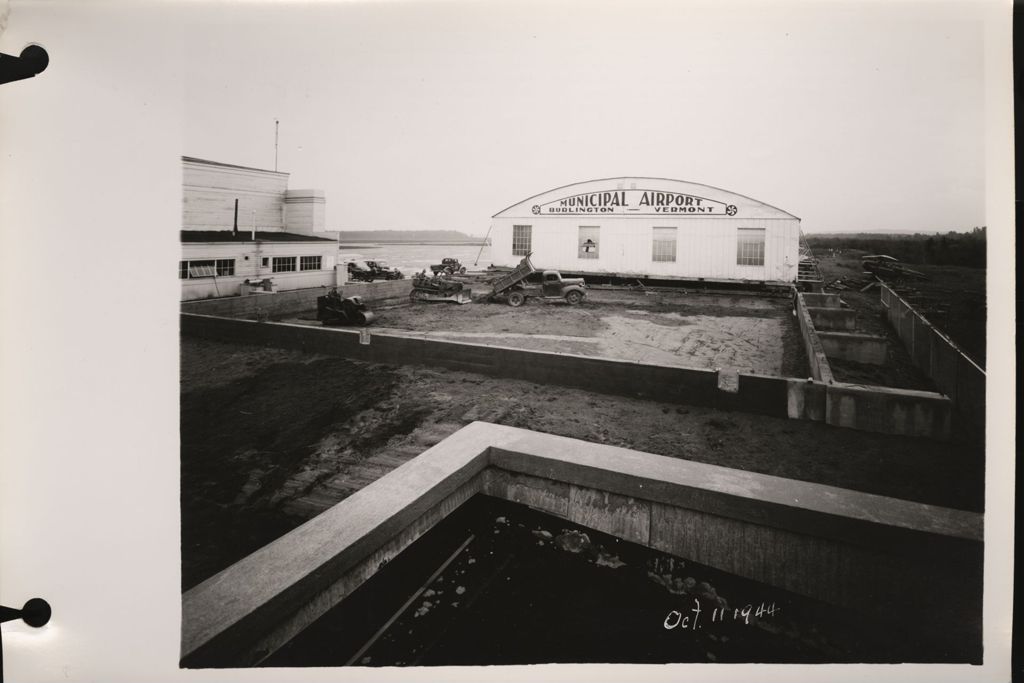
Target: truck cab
(548, 284)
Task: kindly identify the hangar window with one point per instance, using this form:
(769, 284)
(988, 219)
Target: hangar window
(310, 262)
(590, 239)
(225, 266)
(750, 247)
(664, 248)
(282, 264)
(521, 242)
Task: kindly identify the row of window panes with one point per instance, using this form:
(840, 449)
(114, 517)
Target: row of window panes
(749, 245)
(191, 270)
(286, 264)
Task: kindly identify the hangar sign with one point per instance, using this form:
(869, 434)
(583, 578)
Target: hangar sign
(635, 203)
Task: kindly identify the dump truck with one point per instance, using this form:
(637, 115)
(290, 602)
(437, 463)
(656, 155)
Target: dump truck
(525, 281)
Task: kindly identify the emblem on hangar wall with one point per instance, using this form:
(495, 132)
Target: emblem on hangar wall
(535, 209)
(730, 210)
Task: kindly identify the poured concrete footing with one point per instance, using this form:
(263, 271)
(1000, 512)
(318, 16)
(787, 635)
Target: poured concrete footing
(816, 300)
(774, 396)
(860, 348)
(833, 318)
(889, 411)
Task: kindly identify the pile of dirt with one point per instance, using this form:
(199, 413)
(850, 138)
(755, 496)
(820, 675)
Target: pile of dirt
(243, 439)
(271, 438)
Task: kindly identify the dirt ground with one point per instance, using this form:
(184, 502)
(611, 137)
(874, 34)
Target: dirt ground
(753, 334)
(270, 438)
(952, 298)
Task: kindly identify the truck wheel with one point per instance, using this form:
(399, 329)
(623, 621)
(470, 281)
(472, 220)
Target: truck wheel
(573, 297)
(516, 299)
(462, 270)
(416, 295)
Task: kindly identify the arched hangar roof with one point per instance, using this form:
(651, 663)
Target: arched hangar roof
(642, 196)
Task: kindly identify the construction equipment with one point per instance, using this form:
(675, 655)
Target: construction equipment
(438, 288)
(332, 309)
(526, 281)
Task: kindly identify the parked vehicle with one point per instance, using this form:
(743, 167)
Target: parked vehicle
(360, 271)
(525, 281)
(451, 266)
(382, 271)
(882, 266)
(332, 309)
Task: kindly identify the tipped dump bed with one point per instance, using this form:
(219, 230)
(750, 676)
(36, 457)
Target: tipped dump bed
(516, 275)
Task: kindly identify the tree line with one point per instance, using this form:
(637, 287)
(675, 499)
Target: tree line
(408, 236)
(949, 249)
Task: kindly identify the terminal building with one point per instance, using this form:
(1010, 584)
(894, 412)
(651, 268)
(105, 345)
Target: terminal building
(243, 229)
(652, 228)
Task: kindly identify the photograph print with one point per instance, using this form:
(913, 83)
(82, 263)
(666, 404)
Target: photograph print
(582, 333)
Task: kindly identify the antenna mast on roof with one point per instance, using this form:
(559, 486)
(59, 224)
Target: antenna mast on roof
(275, 144)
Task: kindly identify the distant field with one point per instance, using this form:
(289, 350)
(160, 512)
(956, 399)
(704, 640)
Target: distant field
(946, 249)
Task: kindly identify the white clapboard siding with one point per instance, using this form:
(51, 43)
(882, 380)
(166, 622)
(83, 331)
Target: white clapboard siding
(210, 190)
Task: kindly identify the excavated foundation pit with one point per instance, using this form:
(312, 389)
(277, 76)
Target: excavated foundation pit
(500, 583)
(589, 553)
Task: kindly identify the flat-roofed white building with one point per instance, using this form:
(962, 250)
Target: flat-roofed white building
(652, 228)
(242, 224)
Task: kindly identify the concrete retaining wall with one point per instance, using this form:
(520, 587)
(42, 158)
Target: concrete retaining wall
(881, 556)
(956, 375)
(889, 411)
(775, 396)
(832, 318)
(816, 358)
(755, 394)
(821, 300)
(284, 303)
(862, 348)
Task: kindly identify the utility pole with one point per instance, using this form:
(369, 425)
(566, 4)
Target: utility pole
(275, 144)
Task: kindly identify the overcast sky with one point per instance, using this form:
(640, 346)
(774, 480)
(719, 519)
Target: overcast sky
(862, 115)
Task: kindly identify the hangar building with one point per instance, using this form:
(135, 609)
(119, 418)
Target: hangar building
(652, 228)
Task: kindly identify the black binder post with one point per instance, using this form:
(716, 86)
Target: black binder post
(36, 613)
(32, 61)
